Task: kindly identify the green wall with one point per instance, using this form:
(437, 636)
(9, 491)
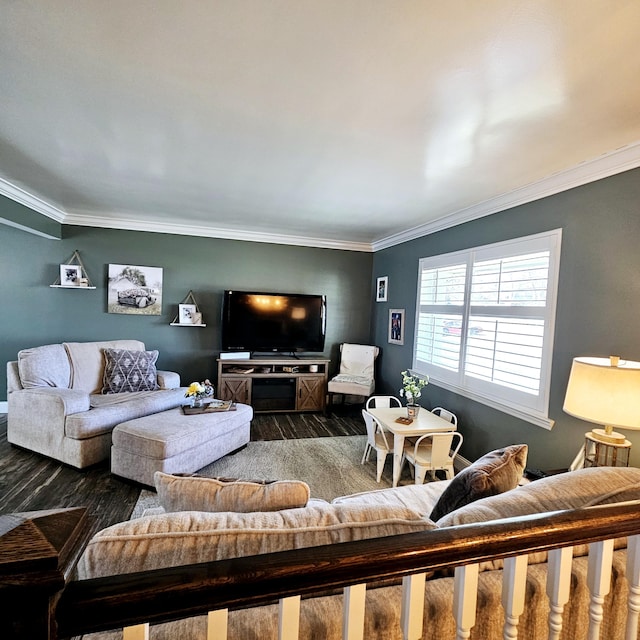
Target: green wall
(597, 311)
(32, 313)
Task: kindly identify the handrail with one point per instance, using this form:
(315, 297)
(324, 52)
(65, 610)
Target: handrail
(178, 592)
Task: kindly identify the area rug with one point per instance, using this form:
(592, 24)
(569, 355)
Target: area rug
(330, 466)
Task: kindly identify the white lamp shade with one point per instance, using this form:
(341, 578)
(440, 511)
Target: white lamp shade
(605, 394)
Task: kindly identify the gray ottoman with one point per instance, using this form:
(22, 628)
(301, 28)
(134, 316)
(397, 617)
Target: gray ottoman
(176, 443)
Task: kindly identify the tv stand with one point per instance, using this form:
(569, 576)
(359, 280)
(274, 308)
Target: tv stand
(275, 384)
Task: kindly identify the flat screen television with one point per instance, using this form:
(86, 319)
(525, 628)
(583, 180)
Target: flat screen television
(273, 322)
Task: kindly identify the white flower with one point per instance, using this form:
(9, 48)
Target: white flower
(412, 386)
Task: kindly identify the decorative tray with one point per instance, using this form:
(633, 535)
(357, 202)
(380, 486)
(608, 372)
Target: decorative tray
(404, 420)
(211, 407)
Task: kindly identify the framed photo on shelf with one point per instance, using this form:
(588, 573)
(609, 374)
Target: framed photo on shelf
(187, 314)
(70, 275)
(396, 326)
(382, 289)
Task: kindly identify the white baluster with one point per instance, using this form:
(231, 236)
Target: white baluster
(217, 622)
(633, 578)
(136, 632)
(412, 615)
(289, 618)
(465, 598)
(353, 612)
(514, 583)
(599, 582)
(558, 586)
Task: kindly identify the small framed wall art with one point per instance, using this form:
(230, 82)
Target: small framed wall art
(186, 314)
(382, 289)
(396, 326)
(70, 275)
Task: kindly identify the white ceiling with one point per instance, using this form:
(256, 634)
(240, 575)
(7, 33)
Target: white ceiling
(343, 123)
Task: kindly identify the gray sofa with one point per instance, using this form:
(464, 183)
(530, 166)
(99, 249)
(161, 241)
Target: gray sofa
(181, 537)
(56, 406)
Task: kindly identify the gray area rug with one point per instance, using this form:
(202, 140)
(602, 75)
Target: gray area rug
(330, 466)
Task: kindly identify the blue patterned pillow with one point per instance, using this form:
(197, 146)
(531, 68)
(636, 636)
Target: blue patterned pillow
(126, 370)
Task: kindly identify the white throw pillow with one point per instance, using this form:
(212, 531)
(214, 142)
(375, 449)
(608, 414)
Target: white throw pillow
(195, 493)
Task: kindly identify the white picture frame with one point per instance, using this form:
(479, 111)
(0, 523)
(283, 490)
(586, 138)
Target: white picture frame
(382, 289)
(70, 275)
(396, 326)
(187, 314)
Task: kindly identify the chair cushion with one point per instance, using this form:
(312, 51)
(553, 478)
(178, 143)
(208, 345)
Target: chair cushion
(358, 359)
(197, 493)
(126, 370)
(493, 473)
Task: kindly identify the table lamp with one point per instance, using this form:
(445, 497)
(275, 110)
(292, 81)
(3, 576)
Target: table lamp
(605, 391)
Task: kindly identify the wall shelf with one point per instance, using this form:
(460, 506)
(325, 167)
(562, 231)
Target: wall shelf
(188, 300)
(74, 260)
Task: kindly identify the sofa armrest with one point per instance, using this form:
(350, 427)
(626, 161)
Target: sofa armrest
(168, 380)
(49, 401)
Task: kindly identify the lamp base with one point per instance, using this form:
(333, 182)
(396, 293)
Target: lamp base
(608, 436)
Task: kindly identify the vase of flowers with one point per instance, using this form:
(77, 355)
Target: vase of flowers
(198, 391)
(412, 389)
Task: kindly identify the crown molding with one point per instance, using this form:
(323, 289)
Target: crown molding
(87, 219)
(608, 164)
(19, 195)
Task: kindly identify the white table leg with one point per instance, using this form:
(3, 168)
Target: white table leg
(398, 447)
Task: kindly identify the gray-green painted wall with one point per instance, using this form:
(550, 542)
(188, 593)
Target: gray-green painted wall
(33, 314)
(597, 312)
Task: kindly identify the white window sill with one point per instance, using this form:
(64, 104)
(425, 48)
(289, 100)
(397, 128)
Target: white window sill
(533, 418)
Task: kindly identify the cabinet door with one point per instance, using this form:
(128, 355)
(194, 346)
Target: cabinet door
(311, 393)
(236, 389)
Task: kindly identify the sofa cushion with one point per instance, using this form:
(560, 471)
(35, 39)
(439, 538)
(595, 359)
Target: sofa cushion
(196, 493)
(127, 371)
(419, 497)
(493, 473)
(87, 361)
(46, 366)
(191, 536)
(572, 490)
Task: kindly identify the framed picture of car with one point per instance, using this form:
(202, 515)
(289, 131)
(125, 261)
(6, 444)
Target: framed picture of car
(396, 326)
(134, 290)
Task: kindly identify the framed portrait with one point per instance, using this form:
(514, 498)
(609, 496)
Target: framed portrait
(135, 290)
(187, 314)
(396, 326)
(70, 275)
(382, 289)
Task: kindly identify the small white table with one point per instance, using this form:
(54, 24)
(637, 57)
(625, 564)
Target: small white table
(426, 422)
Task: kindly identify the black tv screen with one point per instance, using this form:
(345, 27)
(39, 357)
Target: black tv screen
(273, 322)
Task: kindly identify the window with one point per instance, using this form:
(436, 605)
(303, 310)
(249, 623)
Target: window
(485, 322)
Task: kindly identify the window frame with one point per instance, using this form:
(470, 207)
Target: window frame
(532, 408)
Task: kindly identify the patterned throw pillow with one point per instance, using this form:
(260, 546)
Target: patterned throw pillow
(126, 370)
(494, 473)
(196, 493)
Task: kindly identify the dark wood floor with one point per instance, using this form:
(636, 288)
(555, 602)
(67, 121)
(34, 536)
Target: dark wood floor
(30, 482)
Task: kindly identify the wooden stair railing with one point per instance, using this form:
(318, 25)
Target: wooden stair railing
(179, 592)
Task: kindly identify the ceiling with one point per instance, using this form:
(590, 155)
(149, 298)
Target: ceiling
(351, 124)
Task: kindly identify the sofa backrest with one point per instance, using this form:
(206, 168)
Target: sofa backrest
(188, 537)
(87, 361)
(70, 365)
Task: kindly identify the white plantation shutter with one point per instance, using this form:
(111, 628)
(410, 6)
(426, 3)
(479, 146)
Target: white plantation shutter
(484, 322)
